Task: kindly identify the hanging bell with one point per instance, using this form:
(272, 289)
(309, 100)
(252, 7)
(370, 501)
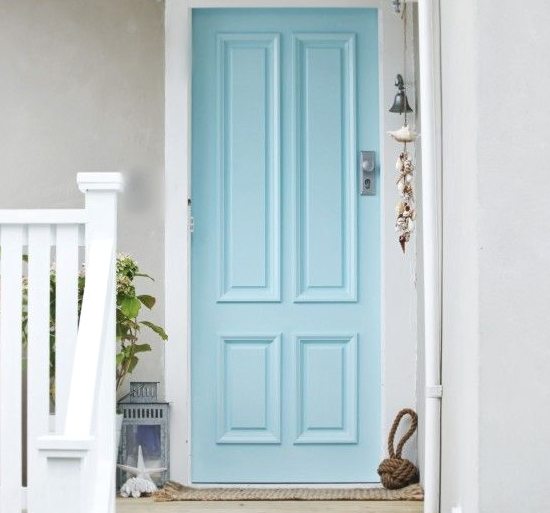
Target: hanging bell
(400, 102)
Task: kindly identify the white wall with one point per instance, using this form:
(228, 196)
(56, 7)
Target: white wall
(514, 255)
(419, 236)
(399, 299)
(496, 81)
(82, 90)
(460, 257)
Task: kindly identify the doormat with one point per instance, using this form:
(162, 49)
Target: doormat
(176, 492)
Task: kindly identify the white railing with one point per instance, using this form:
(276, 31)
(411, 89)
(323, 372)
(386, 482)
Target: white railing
(70, 467)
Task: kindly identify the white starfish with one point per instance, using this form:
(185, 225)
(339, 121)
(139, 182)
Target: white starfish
(141, 471)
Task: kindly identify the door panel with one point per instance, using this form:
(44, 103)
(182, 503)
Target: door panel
(249, 166)
(249, 409)
(285, 253)
(324, 110)
(327, 389)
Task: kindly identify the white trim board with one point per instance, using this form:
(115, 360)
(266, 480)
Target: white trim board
(398, 301)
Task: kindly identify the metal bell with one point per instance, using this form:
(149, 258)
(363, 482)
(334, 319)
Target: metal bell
(400, 102)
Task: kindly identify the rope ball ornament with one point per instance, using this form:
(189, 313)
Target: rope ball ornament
(396, 472)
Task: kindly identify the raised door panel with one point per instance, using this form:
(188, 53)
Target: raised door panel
(325, 148)
(248, 124)
(249, 389)
(326, 389)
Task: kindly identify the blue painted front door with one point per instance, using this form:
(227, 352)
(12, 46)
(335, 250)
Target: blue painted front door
(285, 252)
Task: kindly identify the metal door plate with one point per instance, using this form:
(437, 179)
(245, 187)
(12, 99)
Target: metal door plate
(367, 167)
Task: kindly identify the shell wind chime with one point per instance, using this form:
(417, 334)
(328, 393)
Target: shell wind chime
(405, 208)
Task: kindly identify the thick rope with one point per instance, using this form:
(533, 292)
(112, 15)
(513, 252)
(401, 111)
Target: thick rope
(396, 472)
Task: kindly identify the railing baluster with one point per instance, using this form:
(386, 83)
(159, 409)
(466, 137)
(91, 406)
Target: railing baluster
(66, 315)
(11, 266)
(38, 357)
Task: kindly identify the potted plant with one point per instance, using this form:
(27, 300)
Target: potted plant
(129, 323)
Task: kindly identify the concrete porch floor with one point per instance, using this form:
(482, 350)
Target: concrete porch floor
(148, 506)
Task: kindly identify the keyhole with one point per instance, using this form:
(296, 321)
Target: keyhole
(367, 183)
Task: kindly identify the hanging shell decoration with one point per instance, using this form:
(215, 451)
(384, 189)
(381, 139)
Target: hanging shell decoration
(404, 134)
(405, 208)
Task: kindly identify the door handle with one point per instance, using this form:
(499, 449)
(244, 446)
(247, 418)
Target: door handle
(367, 164)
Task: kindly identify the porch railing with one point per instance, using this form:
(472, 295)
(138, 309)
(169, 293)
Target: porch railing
(70, 465)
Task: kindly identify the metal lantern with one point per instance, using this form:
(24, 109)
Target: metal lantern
(145, 423)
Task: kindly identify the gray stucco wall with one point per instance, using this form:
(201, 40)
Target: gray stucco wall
(82, 89)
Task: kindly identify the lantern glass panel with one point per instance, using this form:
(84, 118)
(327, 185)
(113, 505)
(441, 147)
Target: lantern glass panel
(148, 436)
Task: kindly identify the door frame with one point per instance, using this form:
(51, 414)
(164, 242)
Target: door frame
(398, 320)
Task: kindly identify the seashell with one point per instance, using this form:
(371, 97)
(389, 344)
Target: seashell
(401, 185)
(400, 224)
(408, 178)
(399, 165)
(136, 486)
(404, 134)
(400, 208)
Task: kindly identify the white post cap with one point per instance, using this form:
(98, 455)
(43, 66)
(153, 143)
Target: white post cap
(100, 182)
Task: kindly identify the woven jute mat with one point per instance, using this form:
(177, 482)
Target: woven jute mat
(176, 492)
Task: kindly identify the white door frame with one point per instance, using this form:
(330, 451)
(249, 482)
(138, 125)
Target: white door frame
(398, 293)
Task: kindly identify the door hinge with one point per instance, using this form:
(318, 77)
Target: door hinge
(190, 218)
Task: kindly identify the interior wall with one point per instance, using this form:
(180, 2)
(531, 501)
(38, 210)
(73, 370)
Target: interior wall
(82, 89)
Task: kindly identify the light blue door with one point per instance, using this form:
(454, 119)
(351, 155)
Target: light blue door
(285, 251)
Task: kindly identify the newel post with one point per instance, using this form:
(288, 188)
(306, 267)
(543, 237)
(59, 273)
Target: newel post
(78, 463)
(101, 191)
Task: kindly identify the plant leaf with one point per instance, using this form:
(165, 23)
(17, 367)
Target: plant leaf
(133, 362)
(142, 348)
(148, 301)
(130, 307)
(157, 329)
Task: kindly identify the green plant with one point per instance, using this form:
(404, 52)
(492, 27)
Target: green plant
(128, 325)
(128, 321)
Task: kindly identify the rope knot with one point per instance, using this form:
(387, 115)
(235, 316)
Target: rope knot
(396, 472)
